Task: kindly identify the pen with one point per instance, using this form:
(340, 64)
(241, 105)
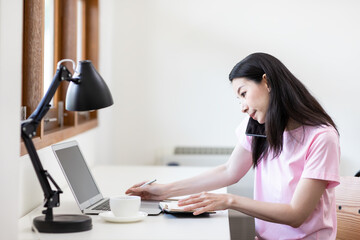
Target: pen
(149, 182)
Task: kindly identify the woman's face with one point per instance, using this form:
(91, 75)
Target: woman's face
(254, 97)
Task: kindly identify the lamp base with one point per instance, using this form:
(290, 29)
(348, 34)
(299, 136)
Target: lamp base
(63, 224)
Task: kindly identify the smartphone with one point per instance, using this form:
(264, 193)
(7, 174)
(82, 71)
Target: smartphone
(255, 129)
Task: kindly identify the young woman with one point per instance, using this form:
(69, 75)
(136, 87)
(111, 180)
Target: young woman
(294, 148)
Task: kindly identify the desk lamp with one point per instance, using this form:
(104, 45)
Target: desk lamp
(87, 91)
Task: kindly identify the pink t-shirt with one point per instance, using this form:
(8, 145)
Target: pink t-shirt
(308, 152)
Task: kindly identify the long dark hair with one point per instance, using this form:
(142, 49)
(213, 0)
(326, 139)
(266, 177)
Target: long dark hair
(289, 98)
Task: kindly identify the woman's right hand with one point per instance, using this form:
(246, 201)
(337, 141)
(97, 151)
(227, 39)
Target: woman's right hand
(152, 191)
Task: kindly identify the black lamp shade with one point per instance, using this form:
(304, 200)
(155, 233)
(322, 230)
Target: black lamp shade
(91, 93)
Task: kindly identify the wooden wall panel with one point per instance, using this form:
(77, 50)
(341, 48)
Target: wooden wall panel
(65, 47)
(92, 32)
(33, 57)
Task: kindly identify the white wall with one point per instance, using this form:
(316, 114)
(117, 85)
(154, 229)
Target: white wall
(10, 83)
(106, 136)
(171, 61)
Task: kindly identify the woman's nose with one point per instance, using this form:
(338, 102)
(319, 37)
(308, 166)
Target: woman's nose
(244, 107)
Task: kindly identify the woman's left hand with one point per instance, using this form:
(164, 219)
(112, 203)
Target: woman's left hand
(206, 202)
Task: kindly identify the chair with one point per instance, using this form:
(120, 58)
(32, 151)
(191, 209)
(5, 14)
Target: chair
(348, 208)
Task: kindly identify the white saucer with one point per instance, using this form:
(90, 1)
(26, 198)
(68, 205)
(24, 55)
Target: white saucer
(109, 216)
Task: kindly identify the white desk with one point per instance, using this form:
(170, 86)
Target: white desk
(114, 180)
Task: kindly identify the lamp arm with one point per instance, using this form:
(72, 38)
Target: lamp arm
(28, 131)
(62, 73)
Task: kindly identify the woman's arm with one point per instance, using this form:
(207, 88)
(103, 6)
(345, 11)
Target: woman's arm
(224, 175)
(307, 195)
(229, 173)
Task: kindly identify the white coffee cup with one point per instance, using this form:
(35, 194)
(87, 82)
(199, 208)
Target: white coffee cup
(125, 206)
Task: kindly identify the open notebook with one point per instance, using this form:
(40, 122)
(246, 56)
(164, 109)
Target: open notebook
(173, 207)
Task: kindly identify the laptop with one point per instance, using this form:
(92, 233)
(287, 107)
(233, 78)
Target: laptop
(82, 183)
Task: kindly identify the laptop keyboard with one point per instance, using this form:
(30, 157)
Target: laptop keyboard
(105, 206)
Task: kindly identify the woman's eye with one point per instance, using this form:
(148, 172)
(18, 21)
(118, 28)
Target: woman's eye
(243, 94)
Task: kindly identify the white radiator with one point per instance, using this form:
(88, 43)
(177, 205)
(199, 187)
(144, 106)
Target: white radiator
(198, 156)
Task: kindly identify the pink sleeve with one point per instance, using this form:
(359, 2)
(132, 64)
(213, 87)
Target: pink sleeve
(244, 140)
(323, 158)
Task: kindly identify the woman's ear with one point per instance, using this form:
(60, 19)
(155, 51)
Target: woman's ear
(264, 78)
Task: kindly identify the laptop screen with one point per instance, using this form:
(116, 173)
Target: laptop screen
(77, 173)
